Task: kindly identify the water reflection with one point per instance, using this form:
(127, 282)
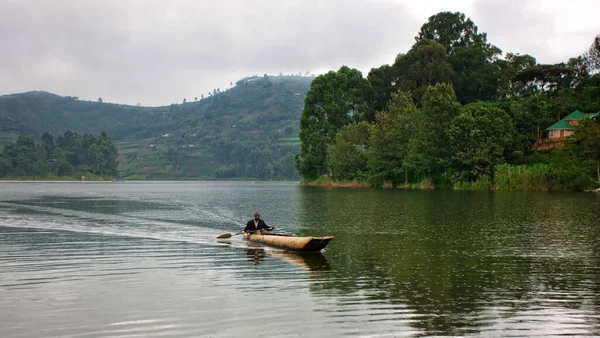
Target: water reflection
(455, 258)
(308, 261)
(255, 255)
(404, 263)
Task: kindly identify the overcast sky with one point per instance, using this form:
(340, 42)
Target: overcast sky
(159, 52)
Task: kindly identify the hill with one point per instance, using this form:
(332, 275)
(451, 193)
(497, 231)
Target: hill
(249, 131)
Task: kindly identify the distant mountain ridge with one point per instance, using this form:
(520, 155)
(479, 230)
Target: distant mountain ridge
(32, 113)
(248, 131)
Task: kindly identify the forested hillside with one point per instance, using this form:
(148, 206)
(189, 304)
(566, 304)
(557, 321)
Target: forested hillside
(247, 131)
(454, 110)
(70, 155)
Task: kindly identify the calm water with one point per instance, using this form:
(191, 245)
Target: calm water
(140, 259)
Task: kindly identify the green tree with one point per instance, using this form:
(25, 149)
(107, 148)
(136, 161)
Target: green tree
(510, 66)
(39, 161)
(529, 116)
(479, 137)
(579, 71)
(334, 100)
(347, 155)
(424, 65)
(546, 78)
(48, 143)
(26, 141)
(587, 136)
(25, 154)
(569, 169)
(59, 159)
(72, 145)
(593, 55)
(429, 150)
(389, 137)
(106, 155)
(60, 141)
(10, 153)
(451, 30)
(382, 83)
(475, 74)
(5, 166)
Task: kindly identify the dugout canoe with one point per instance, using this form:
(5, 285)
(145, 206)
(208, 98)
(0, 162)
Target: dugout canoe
(291, 243)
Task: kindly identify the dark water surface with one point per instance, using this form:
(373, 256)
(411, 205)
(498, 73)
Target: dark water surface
(140, 259)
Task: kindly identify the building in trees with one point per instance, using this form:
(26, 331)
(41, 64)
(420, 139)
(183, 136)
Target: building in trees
(566, 126)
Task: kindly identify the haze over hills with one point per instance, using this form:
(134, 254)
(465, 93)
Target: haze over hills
(248, 131)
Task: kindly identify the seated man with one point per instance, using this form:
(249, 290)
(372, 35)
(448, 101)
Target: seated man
(257, 224)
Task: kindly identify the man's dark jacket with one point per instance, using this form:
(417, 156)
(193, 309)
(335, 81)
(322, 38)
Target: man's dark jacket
(250, 225)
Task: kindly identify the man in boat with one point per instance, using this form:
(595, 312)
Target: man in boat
(257, 224)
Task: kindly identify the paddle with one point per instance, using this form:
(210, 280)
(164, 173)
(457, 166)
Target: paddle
(224, 236)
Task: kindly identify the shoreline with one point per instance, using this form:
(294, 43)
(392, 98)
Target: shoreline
(427, 186)
(51, 179)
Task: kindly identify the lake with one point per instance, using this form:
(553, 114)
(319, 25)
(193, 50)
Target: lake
(141, 259)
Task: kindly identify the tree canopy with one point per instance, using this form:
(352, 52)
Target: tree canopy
(334, 100)
(449, 111)
(71, 155)
(451, 30)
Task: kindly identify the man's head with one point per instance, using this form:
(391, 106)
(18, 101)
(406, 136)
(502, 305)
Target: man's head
(256, 216)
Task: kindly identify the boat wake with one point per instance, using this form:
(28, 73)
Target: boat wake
(18, 215)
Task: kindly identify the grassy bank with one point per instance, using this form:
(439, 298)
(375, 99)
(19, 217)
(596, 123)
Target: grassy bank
(541, 177)
(325, 181)
(537, 177)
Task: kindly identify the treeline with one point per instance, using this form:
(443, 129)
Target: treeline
(71, 154)
(448, 112)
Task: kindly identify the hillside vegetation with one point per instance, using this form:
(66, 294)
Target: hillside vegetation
(70, 155)
(249, 131)
(454, 111)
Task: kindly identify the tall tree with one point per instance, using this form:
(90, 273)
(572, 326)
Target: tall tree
(424, 65)
(579, 71)
(334, 100)
(479, 136)
(382, 81)
(451, 30)
(48, 143)
(510, 66)
(429, 150)
(389, 137)
(587, 137)
(546, 78)
(593, 55)
(5, 166)
(106, 155)
(347, 155)
(475, 74)
(59, 158)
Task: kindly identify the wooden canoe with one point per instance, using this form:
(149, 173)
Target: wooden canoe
(292, 243)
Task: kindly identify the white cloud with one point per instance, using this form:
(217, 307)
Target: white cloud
(158, 52)
(551, 31)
